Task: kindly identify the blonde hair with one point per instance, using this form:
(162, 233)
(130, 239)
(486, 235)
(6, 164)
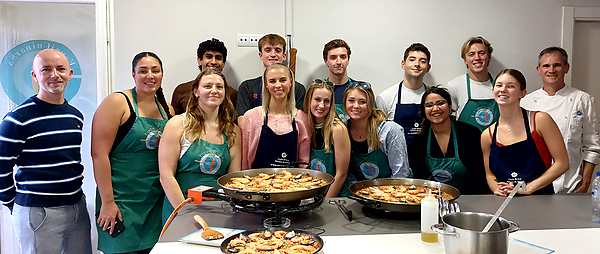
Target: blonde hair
(195, 117)
(374, 118)
(331, 118)
(291, 98)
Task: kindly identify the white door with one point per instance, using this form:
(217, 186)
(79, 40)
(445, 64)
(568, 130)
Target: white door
(585, 63)
(27, 28)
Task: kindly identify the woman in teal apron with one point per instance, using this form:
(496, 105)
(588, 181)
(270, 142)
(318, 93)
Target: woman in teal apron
(522, 145)
(378, 146)
(125, 139)
(330, 143)
(447, 151)
(275, 134)
(200, 145)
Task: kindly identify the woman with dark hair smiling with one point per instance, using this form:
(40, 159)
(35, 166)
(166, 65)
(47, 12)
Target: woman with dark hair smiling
(126, 131)
(522, 145)
(447, 151)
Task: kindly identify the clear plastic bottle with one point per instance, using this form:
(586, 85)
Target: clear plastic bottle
(596, 198)
(429, 216)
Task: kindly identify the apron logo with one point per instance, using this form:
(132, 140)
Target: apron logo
(318, 165)
(283, 155)
(484, 116)
(441, 175)
(210, 163)
(152, 139)
(369, 170)
(514, 174)
(417, 125)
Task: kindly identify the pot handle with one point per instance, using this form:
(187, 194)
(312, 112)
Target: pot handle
(439, 228)
(364, 200)
(514, 227)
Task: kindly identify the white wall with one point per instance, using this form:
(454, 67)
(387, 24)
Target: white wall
(377, 31)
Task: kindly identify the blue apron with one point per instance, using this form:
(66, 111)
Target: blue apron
(274, 150)
(520, 161)
(407, 115)
(479, 112)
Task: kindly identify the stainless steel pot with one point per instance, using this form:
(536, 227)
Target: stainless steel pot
(392, 206)
(462, 233)
(261, 196)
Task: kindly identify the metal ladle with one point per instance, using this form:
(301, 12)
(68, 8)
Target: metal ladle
(521, 185)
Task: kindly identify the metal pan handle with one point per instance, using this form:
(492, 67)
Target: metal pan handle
(514, 227)
(313, 228)
(365, 201)
(439, 228)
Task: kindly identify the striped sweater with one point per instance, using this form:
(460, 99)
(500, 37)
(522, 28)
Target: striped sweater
(43, 140)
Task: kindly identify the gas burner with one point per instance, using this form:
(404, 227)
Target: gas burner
(277, 209)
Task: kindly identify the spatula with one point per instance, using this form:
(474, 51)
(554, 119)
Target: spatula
(506, 201)
(207, 233)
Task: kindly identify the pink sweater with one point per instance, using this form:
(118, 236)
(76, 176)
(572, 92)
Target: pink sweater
(252, 125)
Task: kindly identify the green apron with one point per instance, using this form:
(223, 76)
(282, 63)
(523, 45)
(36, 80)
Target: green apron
(325, 162)
(202, 164)
(370, 166)
(136, 186)
(446, 170)
(479, 112)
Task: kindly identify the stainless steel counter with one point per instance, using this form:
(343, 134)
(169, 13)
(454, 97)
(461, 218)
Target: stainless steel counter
(531, 212)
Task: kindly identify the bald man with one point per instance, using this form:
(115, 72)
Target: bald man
(42, 137)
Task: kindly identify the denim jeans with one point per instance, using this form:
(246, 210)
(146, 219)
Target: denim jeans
(53, 230)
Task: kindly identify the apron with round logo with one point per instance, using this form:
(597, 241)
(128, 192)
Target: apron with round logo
(136, 186)
(446, 170)
(370, 166)
(520, 161)
(407, 115)
(202, 164)
(479, 112)
(325, 162)
(275, 151)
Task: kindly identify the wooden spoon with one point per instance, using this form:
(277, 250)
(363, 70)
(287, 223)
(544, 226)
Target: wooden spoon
(207, 233)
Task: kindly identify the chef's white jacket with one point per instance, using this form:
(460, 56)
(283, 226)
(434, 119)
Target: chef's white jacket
(574, 111)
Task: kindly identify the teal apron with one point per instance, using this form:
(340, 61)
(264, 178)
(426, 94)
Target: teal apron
(370, 166)
(136, 186)
(202, 164)
(325, 162)
(446, 170)
(479, 112)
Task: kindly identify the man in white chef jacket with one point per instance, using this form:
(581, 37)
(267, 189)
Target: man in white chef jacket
(574, 111)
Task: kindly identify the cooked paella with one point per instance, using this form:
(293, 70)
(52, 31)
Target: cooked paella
(283, 182)
(400, 193)
(274, 242)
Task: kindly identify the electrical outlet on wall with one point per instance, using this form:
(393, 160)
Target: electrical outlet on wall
(248, 40)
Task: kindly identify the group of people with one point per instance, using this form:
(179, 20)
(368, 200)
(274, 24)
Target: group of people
(479, 133)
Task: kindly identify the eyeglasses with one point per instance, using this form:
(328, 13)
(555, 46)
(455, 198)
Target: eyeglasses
(363, 84)
(320, 81)
(439, 104)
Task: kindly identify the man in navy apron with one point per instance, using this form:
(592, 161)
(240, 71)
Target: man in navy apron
(472, 97)
(271, 49)
(336, 55)
(211, 54)
(402, 101)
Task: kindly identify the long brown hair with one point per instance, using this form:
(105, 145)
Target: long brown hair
(195, 117)
(160, 96)
(375, 117)
(330, 119)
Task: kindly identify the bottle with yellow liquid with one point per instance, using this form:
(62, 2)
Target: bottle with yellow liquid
(429, 216)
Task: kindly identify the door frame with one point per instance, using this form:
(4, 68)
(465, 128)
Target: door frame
(572, 14)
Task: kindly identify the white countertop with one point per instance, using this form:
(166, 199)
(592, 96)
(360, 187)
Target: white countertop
(578, 241)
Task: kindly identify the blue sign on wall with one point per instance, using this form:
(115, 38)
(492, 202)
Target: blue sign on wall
(16, 65)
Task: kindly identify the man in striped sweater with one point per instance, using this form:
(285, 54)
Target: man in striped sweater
(42, 138)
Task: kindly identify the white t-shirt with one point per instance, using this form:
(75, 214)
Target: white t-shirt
(388, 99)
(458, 91)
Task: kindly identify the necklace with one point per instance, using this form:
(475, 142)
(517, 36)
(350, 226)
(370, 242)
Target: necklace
(360, 136)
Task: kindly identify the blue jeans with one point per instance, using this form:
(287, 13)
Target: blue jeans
(59, 229)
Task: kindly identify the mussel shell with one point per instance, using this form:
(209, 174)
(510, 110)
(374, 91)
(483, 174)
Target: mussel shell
(290, 235)
(236, 249)
(307, 241)
(267, 235)
(244, 238)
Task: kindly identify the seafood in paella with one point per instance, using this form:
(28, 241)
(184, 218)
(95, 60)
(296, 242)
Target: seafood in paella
(400, 193)
(283, 182)
(281, 242)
